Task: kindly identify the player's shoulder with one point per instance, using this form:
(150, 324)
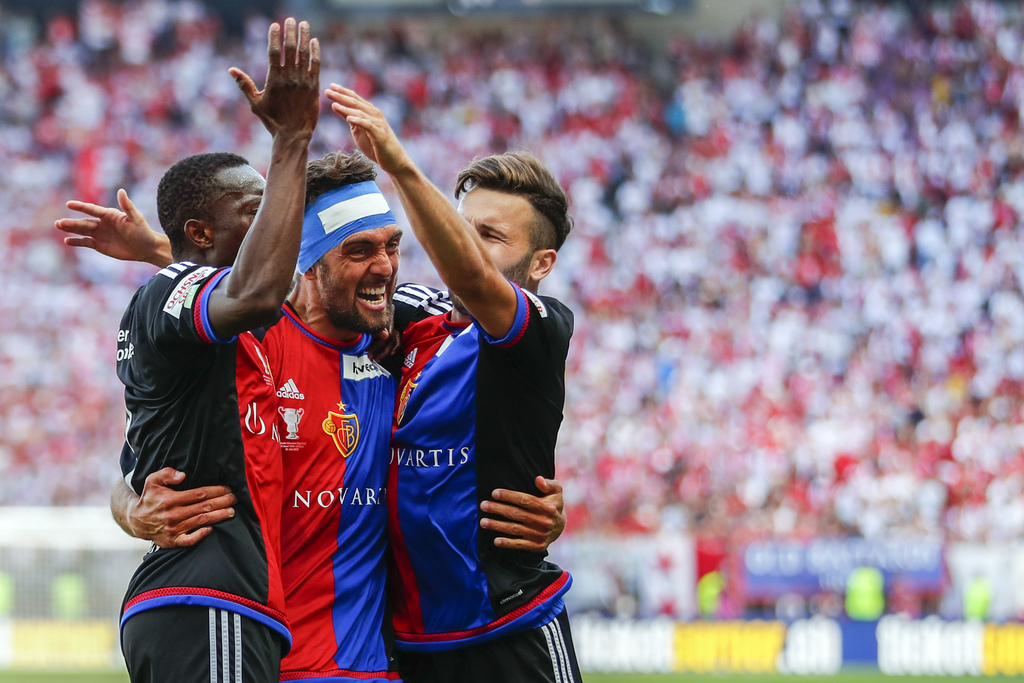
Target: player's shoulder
(414, 303)
(433, 301)
(549, 308)
(177, 286)
(176, 279)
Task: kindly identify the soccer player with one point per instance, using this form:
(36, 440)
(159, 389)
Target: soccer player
(199, 394)
(335, 409)
(480, 403)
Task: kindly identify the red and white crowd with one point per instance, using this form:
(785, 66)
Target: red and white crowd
(796, 269)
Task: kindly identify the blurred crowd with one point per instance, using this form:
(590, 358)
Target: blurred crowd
(796, 267)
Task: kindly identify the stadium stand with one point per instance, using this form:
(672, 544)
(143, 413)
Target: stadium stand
(796, 269)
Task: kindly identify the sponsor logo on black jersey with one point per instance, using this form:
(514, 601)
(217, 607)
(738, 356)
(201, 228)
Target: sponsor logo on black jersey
(176, 301)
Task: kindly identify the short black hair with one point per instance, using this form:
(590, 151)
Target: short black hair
(335, 170)
(187, 192)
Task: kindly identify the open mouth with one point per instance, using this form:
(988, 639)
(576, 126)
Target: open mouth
(375, 296)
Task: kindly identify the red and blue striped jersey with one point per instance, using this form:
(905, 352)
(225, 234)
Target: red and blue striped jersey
(333, 422)
(473, 414)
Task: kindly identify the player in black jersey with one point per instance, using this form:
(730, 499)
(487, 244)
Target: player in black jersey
(532, 522)
(198, 393)
(479, 407)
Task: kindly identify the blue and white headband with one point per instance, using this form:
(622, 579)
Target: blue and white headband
(338, 214)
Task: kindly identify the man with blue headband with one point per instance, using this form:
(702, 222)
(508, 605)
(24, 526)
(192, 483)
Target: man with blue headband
(335, 411)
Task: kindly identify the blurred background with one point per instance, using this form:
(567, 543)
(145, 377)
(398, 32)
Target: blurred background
(794, 428)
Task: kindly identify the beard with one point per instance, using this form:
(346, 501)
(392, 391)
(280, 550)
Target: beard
(518, 273)
(350, 317)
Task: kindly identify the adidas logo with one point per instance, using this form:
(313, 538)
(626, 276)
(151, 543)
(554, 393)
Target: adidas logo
(410, 359)
(289, 390)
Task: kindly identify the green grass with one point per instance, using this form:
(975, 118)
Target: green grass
(63, 677)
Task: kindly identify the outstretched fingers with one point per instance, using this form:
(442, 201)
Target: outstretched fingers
(128, 207)
(274, 46)
(314, 59)
(303, 61)
(291, 42)
(245, 84)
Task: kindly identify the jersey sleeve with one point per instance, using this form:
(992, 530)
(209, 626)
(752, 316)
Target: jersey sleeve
(542, 327)
(417, 302)
(128, 462)
(178, 312)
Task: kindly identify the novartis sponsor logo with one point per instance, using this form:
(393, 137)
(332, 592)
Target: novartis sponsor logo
(339, 496)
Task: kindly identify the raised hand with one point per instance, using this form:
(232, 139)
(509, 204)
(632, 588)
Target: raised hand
(530, 523)
(289, 101)
(121, 233)
(370, 130)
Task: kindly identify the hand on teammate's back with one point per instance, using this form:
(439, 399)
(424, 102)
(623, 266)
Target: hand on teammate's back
(289, 101)
(177, 519)
(530, 522)
(370, 130)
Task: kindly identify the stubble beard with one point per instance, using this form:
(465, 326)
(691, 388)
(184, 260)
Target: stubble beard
(353, 320)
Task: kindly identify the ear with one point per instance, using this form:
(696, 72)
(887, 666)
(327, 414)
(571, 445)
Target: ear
(311, 274)
(199, 233)
(541, 264)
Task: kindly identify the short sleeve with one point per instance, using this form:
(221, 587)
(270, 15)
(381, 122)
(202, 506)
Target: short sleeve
(542, 325)
(179, 311)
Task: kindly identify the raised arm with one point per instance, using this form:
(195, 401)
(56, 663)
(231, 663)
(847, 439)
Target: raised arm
(288, 106)
(454, 246)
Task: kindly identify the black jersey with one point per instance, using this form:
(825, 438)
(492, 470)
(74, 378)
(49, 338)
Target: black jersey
(207, 407)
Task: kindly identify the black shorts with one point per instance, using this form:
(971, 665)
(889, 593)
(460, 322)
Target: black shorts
(541, 655)
(196, 644)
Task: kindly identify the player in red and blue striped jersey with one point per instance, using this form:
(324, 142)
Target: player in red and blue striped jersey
(479, 408)
(335, 418)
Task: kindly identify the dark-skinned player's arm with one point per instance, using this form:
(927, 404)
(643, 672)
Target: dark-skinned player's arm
(530, 523)
(167, 517)
(452, 244)
(252, 293)
(120, 233)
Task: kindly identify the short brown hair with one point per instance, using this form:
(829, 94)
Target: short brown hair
(335, 170)
(523, 175)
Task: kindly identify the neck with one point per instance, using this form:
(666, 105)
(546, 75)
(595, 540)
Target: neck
(306, 302)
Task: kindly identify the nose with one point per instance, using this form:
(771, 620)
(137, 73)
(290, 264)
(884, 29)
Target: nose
(382, 264)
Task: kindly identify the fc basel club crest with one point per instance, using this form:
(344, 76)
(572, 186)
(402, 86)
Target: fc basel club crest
(344, 429)
(403, 399)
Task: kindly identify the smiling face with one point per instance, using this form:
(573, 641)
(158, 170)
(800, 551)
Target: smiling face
(232, 212)
(355, 281)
